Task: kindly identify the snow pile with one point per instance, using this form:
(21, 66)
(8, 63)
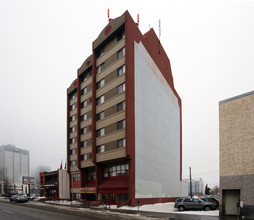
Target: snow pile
(64, 202)
(167, 208)
(38, 198)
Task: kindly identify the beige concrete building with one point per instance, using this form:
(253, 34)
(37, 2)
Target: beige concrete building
(237, 154)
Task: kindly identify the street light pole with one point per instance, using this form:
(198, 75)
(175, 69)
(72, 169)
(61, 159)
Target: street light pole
(190, 183)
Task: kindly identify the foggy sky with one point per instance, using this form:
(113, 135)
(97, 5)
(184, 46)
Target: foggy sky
(43, 43)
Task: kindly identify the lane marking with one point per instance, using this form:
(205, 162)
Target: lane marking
(7, 211)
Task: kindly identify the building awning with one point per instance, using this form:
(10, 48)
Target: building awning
(90, 183)
(89, 187)
(114, 184)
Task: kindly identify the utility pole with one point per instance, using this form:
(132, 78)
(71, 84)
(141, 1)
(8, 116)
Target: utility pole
(190, 183)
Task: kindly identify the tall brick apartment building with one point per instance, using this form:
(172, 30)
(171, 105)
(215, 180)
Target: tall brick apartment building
(124, 123)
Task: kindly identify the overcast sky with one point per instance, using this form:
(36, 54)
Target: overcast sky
(42, 44)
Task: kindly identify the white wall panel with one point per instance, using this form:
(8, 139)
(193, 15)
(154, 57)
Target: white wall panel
(16, 167)
(9, 165)
(157, 131)
(24, 165)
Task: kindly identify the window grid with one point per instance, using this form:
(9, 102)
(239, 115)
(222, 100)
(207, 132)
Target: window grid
(121, 106)
(121, 70)
(84, 143)
(121, 143)
(121, 88)
(100, 132)
(121, 53)
(120, 124)
(116, 170)
(100, 149)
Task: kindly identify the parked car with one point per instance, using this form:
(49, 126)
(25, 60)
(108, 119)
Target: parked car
(17, 198)
(194, 203)
(6, 196)
(206, 199)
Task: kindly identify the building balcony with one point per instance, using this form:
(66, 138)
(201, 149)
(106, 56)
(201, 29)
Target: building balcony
(111, 155)
(87, 163)
(73, 157)
(74, 168)
(85, 150)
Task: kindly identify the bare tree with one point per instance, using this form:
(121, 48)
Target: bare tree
(215, 190)
(5, 181)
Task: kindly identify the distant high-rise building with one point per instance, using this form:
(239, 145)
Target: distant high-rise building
(124, 122)
(197, 186)
(14, 163)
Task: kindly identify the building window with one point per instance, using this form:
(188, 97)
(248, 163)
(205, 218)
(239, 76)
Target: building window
(91, 175)
(83, 117)
(120, 124)
(100, 68)
(100, 116)
(100, 84)
(84, 91)
(121, 70)
(83, 130)
(72, 107)
(121, 143)
(73, 129)
(100, 149)
(86, 156)
(100, 100)
(121, 53)
(84, 104)
(76, 196)
(116, 170)
(73, 118)
(101, 52)
(121, 35)
(73, 140)
(87, 76)
(73, 151)
(73, 163)
(100, 132)
(75, 177)
(84, 144)
(121, 106)
(121, 88)
(73, 96)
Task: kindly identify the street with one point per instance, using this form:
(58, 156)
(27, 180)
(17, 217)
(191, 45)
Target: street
(14, 211)
(41, 211)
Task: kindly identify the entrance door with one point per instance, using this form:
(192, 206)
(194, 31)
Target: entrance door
(230, 199)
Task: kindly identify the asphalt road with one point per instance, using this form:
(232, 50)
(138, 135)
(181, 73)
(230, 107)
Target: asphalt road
(35, 211)
(14, 211)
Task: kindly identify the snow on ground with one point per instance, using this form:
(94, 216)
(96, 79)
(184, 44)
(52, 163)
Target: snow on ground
(64, 202)
(158, 207)
(167, 208)
(38, 198)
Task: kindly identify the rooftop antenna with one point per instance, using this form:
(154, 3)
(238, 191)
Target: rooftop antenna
(159, 29)
(109, 19)
(159, 35)
(138, 19)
